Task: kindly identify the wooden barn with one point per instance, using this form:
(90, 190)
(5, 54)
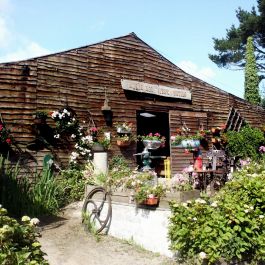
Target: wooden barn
(138, 84)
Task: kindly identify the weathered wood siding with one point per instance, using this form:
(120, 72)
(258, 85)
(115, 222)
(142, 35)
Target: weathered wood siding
(79, 78)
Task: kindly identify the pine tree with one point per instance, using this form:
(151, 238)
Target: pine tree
(251, 75)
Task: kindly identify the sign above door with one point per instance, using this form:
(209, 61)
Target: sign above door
(159, 90)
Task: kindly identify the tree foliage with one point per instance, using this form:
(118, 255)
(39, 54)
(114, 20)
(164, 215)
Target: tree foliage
(231, 49)
(251, 75)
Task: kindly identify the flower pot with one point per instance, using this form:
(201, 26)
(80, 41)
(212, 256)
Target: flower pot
(123, 131)
(152, 144)
(151, 201)
(189, 143)
(123, 143)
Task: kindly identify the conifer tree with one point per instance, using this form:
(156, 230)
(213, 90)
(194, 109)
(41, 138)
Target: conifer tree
(251, 75)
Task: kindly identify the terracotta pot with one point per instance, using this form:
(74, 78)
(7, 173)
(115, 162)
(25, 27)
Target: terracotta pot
(151, 201)
(122, 143)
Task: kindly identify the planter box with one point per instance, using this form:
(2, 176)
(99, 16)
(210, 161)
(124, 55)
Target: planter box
(128, 197)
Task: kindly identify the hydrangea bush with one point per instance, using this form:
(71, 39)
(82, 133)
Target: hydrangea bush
(18, 242)
(229, 226)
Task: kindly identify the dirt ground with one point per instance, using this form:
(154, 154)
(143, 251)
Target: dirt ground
(66, 243)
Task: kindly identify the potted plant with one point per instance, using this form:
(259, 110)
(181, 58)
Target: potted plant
(40, 117)
(124, 128)
(184, 139)
(124, 140)
(152, 140)
(149, 195)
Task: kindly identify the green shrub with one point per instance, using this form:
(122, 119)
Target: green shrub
(230, 226)
(21, 196)
(44, 193)
(71, 186)
(244, 143)
(18, 242)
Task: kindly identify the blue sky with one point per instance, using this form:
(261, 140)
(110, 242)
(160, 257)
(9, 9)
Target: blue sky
(181, 30)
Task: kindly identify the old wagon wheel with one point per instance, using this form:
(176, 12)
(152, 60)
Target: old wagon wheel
(97, 210)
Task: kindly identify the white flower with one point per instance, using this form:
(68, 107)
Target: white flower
(57, 136)
(65, 111)
(34, 221)
(202, 255)
(194, 219)
(214, 204)
(25, 218)
(246, 211)
(84, 121)
(185, 204)
(199, 200)
(261, 216)
(73, 136)
(73, 119)
(0, 205)
(251, 208)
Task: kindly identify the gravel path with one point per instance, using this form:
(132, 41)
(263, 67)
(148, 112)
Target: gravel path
(66, 243)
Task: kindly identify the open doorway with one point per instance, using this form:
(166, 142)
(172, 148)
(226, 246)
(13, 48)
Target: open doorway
(154, 122)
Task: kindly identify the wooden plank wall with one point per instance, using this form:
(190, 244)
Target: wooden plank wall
(79, 78)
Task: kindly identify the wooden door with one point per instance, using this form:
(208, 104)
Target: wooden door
(193, 120)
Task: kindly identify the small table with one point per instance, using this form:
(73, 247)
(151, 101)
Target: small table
(205, 177)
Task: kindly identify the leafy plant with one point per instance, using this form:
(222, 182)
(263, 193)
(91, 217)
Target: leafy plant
(18, 244)
(229, 227)
(71, 186)
(22, 196)
(44, 193)
(41, 115)
(5, 136)
(244, 143)
(152, 137)
(147, 191)
(66, 122)
(124, 127)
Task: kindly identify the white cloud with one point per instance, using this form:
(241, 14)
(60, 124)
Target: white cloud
(14, 46)
(5, 34)
(204, 73)
(28, 50)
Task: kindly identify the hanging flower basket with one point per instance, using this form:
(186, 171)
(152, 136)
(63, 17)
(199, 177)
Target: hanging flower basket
(191, 143)
(123, 130)
(123, 143)
(152, 144)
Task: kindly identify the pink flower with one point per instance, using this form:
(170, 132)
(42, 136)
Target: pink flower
(157, 134)
(8, 140)
(93, 129)
(1, 127)
(262, 149)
